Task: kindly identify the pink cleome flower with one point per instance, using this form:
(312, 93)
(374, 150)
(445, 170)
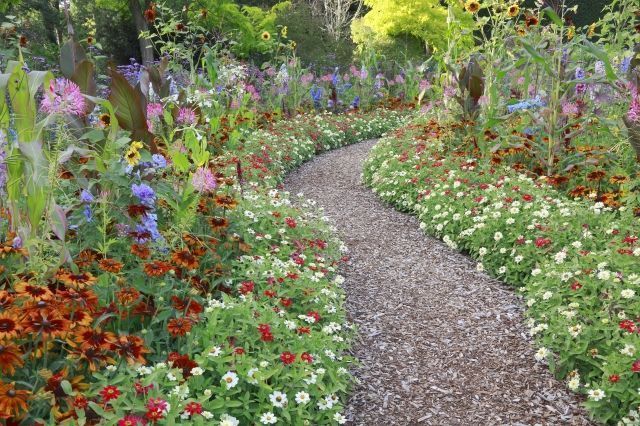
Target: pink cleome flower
(187, 116)
(63, 97)
(203, 180)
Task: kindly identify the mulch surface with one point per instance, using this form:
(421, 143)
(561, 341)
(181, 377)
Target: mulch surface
(438, 342)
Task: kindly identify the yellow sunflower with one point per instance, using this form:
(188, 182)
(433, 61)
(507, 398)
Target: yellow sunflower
(592, 30)
(472, 6)
(284, 31)
(132, 156)
(266, 36)
(513, 10)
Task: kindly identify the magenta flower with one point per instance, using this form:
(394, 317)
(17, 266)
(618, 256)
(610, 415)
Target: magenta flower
(570, 108)
(187, 116)
(154, 110)
(203, 180)
(63, 97)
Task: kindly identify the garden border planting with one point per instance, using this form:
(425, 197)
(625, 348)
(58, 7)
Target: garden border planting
(272, 348)
(574, 261)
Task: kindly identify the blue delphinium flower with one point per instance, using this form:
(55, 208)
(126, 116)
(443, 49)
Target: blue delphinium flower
(335, 77)
(356, 102)
(625, 64)
(86, 196)
(158, 160)
(144, 193)
(150, 224)
(533, 103)
(88, 214)
(316, 95)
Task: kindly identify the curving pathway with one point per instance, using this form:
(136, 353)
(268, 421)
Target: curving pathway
(439, 343)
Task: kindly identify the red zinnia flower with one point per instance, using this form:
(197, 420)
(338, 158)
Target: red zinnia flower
(193, 408)
(542, 242)
(287, 358)
(314, 315)
(291, 223)
(141, 389)
(246, 287)
(131, 420)
(635, 367)
(306, 357)
(614, 378)
(110, 392)
(627, 325)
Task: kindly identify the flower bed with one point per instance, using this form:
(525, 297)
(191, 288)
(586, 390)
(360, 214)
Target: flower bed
(219, 300)
(575, 262)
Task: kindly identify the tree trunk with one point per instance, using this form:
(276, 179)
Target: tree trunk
(146, 48)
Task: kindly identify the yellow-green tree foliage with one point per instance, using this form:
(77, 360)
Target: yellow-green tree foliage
(389, 20)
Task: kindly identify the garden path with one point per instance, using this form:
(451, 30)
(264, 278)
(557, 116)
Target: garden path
(438, 342)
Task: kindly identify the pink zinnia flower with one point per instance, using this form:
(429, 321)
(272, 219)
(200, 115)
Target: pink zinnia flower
(63, 97)
(187, 116)
(203, 180)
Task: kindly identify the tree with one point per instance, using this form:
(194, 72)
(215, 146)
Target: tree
(336, 15)
(136, 9)
(425, 20)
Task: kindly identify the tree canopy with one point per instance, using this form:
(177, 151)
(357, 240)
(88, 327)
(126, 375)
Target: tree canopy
(387, 20)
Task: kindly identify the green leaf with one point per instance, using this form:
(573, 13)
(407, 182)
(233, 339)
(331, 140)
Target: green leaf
(83, 76)
(553, 16)
(66, 387)
(537, 57)
(71, 54)
(129, 106)
(601, 55)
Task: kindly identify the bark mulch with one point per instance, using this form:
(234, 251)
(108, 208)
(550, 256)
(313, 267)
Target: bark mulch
(438, 342)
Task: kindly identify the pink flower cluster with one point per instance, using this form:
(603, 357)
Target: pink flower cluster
(203, 180)
(63, 97)
(187, 116)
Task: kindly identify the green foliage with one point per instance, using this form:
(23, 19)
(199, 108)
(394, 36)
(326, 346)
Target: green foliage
(388, 19)
(314, 46)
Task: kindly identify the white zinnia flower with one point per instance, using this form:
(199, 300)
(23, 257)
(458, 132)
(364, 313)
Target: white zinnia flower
(627, 293)
(302, 397)
(596, 394)
(268, 418)
(278, 399)
(227, 420)
(230, 379)
(542, 354)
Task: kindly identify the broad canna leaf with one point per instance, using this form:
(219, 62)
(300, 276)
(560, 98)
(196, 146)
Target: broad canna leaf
(71, 54)
(129, 106)
(127, 102)
(84, 77)
(23, 105)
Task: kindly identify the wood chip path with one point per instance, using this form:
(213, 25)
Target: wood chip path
(439, 343)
